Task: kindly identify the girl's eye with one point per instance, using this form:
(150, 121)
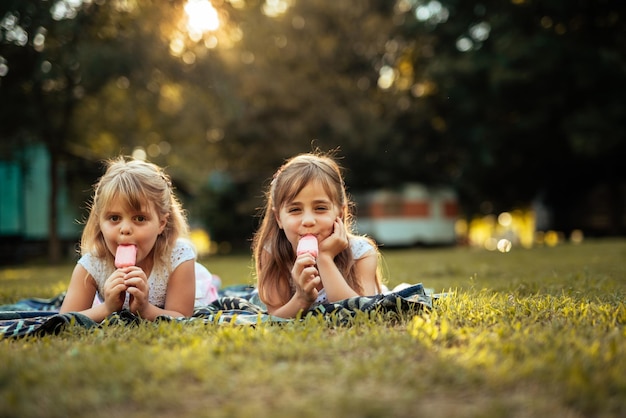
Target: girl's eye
(140, 218)
(114, 218)
(293, 210)
(321, 208)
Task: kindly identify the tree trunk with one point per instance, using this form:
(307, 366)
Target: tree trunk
(54, 243)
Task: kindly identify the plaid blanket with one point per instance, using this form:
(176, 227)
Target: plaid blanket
(236, 305)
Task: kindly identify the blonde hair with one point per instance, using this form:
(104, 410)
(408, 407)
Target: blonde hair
(288, 181)
(137, 183)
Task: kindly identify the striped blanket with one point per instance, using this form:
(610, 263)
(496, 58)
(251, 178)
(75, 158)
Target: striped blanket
(236, 305)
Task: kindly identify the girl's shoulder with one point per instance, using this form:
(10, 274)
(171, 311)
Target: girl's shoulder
(183, 250)
(96, 266)
(361, 246)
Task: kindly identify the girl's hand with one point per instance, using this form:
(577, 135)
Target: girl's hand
(335, 242)
(115, 291)
(305, 278)
(137, 287)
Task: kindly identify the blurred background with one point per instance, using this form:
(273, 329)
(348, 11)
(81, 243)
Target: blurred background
(494, 124)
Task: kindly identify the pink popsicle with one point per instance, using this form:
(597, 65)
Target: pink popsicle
(125, 256)
(307, 244)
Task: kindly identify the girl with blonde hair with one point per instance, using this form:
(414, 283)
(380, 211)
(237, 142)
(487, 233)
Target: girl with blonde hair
(134, 204)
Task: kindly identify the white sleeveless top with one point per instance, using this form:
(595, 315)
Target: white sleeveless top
(159, 277)
(360, 246)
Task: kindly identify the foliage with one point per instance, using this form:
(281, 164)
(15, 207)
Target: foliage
(528, 333)
(506, 101)
(518, 92)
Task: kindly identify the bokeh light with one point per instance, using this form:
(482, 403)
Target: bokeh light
(4, 68)
(201, 17)
(432, 12)
(507, 231)
(504, 245)
(274, 8)
(505, 219)
(577, 236)
(387, 76)
(139, 154)
(201, 241)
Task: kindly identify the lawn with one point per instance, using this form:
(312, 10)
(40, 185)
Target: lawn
(530, 333)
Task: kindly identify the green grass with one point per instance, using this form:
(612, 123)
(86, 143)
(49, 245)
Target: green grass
(531, 333)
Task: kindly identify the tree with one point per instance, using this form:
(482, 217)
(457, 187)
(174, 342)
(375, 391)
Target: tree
(524, 95)
(41, 82)
(504, 100)
(57, 55)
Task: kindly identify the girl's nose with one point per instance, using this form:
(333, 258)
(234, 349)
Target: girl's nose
(308, 218)
(125, 228)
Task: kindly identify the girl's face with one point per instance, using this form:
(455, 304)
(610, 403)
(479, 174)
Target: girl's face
(311, 212)
(121, 225)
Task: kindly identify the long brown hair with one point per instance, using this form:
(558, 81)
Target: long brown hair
(138, 183)
(274, 269)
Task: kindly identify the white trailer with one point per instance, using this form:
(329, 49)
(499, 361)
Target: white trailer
(413, 215)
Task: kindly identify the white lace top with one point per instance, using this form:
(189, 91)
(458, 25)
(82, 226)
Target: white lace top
(360, 246)
(157, 281)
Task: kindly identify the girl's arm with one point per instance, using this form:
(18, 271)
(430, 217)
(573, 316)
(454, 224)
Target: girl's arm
(335, 284)
(366, 269)
(291, 309)
(306, 279)
(81, 292)
(179, 297)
